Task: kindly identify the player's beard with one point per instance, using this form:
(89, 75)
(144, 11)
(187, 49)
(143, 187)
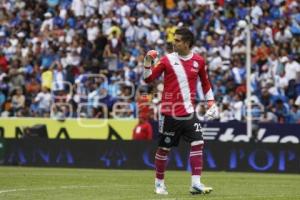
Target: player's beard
(176, 49)
(173, 48)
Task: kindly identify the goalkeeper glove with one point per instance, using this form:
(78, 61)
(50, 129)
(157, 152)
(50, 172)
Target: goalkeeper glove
(212, 112)
(149, 58)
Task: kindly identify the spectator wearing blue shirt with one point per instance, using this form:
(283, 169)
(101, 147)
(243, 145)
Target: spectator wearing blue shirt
(280, 111)
(294, 114)
(2, 100)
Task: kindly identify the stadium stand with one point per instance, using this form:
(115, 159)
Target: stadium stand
(83, 58)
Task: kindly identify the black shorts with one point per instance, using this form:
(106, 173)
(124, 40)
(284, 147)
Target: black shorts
(171, 129)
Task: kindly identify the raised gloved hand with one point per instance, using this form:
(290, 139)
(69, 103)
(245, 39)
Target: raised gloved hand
(212, 112)
(149, 58)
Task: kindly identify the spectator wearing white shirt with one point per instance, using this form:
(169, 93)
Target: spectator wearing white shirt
(239, 48)
(9, 50)
(14, 40)
(107, 23)
(283, 35)
(273, 64)
(267, 32)
(92, 31)
(47, 23)
(90, 7)
(216, 61)
(154, 35)
(239, 35)
(281, 82)
(226, 114)
(143, 7)
(73, 58)
(70, 33)
(18, 100)
(238, 107)
(112, 51)
(268, 117)
(292, 69)
(105, 7)
(145, 20)
(256, 12)
(238, 72)
(123, 10)
(78, 7)
(43, 99)
(225, 50)
(125, 23)
(199, 48)
(131, 32)
(58, 82)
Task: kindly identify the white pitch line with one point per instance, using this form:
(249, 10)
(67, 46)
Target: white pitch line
(12, 190)
(48, 188)
(223, 197)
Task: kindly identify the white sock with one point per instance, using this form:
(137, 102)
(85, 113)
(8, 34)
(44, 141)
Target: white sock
(196, 180)
(159, 181)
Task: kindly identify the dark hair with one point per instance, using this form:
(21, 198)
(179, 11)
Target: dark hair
(186, 35)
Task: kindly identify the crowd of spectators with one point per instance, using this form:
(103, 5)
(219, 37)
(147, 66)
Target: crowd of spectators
(84, 58)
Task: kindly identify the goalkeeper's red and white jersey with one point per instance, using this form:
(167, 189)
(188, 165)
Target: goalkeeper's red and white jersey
(180, 82)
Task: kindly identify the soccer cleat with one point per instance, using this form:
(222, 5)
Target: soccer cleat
(200, 189)
(160, 189)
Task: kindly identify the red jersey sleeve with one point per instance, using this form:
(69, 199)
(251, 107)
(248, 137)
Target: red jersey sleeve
(156, 71)
(206, 86)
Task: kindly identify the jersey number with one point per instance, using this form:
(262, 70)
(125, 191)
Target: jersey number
(198, 127)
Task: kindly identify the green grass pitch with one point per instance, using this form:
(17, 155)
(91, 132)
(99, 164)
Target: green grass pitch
(23, 183)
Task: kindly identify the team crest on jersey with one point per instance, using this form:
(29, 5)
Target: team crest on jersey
(195, 67)
(167, 140)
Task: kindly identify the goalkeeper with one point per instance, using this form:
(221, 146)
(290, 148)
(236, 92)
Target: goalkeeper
(182, 69)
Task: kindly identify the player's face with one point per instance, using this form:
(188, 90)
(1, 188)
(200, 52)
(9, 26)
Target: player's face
(179, 45)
